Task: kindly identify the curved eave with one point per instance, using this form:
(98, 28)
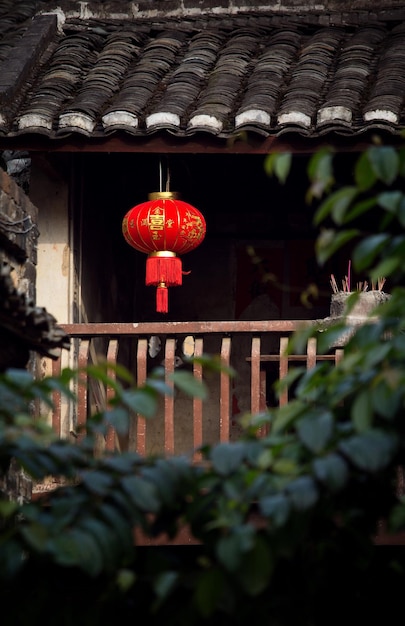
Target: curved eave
(332, 126)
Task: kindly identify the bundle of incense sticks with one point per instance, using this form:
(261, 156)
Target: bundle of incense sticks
(333, 283)
(361, 286)
(345, 284)
(380, 284)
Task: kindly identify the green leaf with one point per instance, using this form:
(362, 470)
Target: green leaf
(362, 411)
(397, 518)
(336, 205)
(209, 589)
(36, 535)
(142, 493)
(190, 385)
(19, 377)
(122, 463)
(35, 463)
(368, 249)
(257, 567)
(164, 585)
(276, 507)
(213, 363)
(102, 540)
(303, 493)
(315, 430)
(364, 174)
(385, 163)
(56, 384)
(118, 418)
(163, 477)
(386, 267)
(401, 213)
(286, 415)
(8, 508)
(331, 336)
(123, 502)
(358, 209)
(227, 457)
(376, 354)
(12, 559)
(332, 471)
(99, 372)
(386, 400)
(330, 241)
(97, 482)
(122, 525)
(66, 455)
(285, 467)
(294, 374)
(125, 579)
(156, 383)
(141, 401)
(371, 451)
(390, 200)
(229, 552)
(278, 165)
(283, 166)
(105, 537)
(78, 548)
(320, 173)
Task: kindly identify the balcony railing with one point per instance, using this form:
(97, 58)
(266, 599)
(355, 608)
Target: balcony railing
(259, 348)
(256, 350)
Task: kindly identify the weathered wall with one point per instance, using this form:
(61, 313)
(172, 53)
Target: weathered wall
(18, 234)
(161, 8)
(49, 192)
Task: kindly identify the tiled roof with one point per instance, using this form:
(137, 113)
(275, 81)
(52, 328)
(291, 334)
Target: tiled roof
(265, 73)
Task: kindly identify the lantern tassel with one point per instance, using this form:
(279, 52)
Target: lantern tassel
(162, 298)
(163, 269)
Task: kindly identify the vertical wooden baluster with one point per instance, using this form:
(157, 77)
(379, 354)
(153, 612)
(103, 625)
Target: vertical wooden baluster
(112, 352)
(311, 353)
(283, 368)
(57, 400)
(82, 390)
(264, 430)
(197, 402)
(137, 440)
(338, 354)
(255, 376)
(169, 399)
(225, 397)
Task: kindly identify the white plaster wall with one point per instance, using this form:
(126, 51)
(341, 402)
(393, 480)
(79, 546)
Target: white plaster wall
(50, 195)
(49, 192)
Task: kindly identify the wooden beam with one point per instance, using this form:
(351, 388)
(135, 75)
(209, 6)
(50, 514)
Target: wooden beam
(200, 143)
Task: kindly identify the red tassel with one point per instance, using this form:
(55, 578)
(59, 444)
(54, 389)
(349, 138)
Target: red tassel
(162, 299)
(164, 269)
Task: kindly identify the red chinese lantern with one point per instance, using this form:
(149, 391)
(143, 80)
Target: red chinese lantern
(163, 227)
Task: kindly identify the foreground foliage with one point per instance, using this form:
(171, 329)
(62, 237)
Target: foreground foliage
(285, 524)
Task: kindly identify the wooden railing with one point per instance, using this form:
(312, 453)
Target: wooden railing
(257, 350)
(91, 342)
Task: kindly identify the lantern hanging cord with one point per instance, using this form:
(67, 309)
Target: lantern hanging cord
(161, 177)
(168, 179)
